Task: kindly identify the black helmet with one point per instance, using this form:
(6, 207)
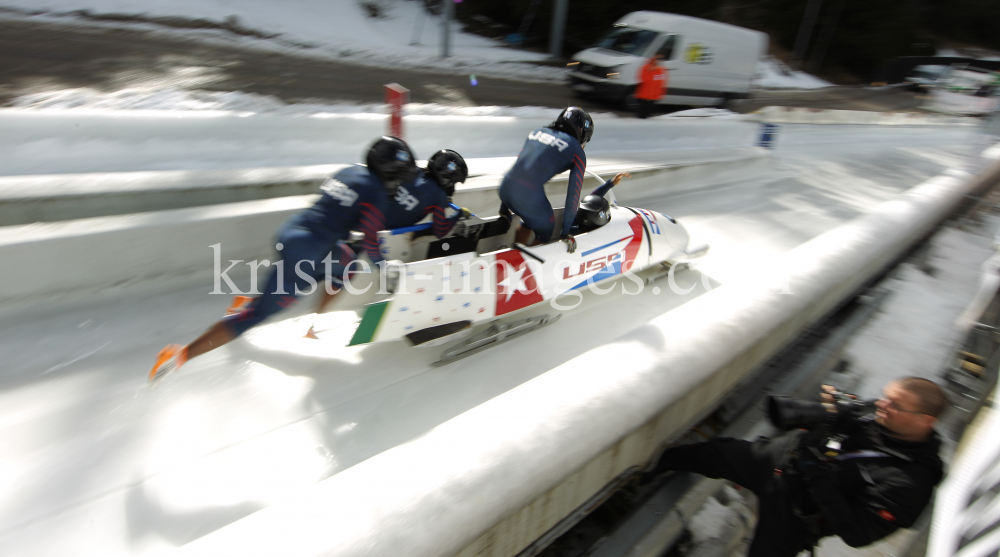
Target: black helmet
(595, 211)
(447, 168)
(391, 160)
(576, 122)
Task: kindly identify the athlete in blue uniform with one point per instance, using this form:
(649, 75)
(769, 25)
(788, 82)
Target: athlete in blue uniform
(313, 245)
(548, 151)
(430, 194)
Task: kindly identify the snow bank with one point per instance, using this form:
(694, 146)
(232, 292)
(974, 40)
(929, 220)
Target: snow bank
(336, 29)
(774, 74)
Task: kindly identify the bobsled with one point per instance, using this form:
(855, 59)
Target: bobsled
(441, 290)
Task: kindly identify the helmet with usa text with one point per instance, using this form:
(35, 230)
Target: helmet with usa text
(447, 168)
(391, 161)
(576, 122)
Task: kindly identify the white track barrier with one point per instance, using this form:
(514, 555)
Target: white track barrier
(78, 257)
(45, 260)
(84, 141)
(58, 197)
(490, 481)
(81, 143)
(799, 115)
(93, 141)
(962, 524)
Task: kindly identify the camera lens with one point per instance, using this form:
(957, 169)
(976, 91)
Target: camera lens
(788, 413)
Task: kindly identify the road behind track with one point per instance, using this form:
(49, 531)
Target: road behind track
(44, 56)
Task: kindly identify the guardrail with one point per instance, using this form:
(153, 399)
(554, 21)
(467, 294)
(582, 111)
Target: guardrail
(972, 373)
(961, 527)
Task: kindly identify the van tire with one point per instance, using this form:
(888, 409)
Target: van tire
(629, 102)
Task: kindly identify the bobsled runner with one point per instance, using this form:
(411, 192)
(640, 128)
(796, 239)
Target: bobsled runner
(441, 290)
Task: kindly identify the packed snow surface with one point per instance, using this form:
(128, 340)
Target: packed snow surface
(336, 29)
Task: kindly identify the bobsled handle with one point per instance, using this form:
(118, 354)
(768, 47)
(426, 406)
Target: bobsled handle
(423, 225)
(459, 209)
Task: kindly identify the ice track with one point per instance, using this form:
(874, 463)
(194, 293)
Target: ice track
(95, 463)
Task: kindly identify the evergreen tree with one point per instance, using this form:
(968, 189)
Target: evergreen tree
(858, 36)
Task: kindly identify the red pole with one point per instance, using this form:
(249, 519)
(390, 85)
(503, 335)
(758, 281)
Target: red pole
(396, 96)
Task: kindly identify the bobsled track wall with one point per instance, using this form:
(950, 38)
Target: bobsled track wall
(474, 486)
(143, 248)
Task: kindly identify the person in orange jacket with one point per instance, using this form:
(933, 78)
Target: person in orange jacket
(652, 85)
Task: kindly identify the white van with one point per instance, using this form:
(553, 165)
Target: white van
(709, 63)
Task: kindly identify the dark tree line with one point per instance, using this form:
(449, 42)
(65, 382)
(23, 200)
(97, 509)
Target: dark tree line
(855, 37)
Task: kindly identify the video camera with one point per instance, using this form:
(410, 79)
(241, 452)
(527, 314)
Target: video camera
(788, 413)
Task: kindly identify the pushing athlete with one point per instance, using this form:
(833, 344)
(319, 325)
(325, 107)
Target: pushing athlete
(313, 244)
(548, 151)
(430, 194)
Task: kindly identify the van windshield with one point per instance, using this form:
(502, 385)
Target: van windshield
(626, 40)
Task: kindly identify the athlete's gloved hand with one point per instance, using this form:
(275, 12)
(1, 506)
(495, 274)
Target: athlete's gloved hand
(618, 178)
(570, 243)
(463, 213)
(505, 213)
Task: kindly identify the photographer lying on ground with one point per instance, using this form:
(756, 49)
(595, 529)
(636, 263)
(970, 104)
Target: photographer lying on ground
(843, 475)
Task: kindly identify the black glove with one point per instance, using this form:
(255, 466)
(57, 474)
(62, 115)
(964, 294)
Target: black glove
(570, 243)
(505, 213)
(670, 459)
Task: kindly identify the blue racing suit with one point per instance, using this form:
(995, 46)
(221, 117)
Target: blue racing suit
(415, 201)
(603, 189)
(312, 243)
(546, 152)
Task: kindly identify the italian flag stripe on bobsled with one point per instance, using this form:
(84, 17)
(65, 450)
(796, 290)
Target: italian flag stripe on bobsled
(369, 323)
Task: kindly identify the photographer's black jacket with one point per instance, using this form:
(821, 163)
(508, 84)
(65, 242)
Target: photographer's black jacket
(877, 484)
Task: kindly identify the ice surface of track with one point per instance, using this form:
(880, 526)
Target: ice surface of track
(95, 463)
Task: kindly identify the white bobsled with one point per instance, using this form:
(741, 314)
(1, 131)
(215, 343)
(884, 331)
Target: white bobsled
(441, 289)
